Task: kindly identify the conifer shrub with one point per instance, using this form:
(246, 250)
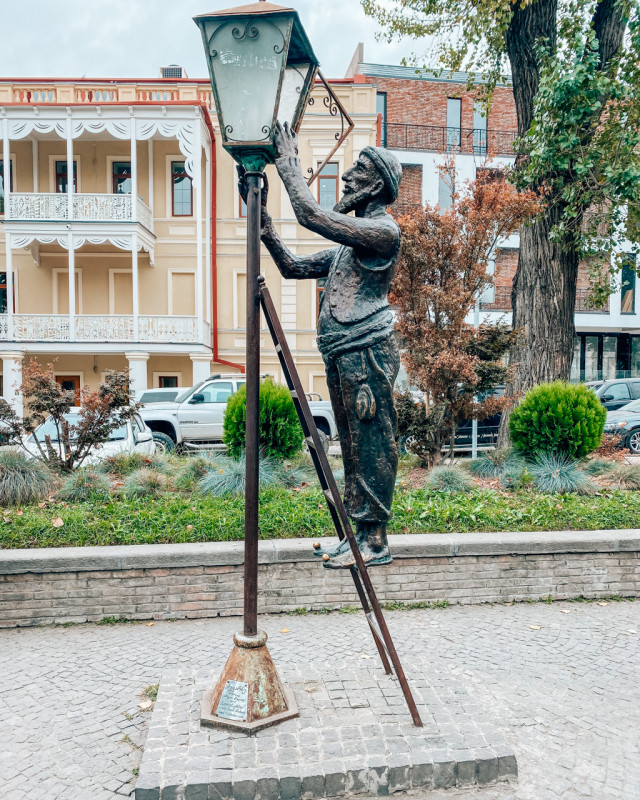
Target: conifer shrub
(280, 432)
(23, 480)
(85, 484)
(558, 418)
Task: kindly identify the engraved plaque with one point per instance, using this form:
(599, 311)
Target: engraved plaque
(234, 701)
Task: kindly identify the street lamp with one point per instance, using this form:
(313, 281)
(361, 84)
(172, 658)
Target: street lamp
(262, 70)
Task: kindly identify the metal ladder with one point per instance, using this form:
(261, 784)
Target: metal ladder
(359, 573)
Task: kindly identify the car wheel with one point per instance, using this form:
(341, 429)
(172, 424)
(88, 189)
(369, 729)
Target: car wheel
(164, 443)
(633, 442)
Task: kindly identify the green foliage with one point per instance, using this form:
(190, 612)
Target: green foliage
(227, 476)
(194, 468)
(494, 463)
(145, 483)
(22, 480)
(558, 417)
(84, 484)
(557, 473)
(625, 476)
(444, 478)
(516, 477)
(598, 466)
(280, 432)
(123, 464)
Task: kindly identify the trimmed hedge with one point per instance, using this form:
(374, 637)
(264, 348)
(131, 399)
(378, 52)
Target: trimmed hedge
(280, 432)
(558, 417)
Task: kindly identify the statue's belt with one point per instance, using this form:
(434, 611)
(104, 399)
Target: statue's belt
(358, 336)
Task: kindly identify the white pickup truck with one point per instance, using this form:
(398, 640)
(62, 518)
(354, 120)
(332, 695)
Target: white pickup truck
(195, 418)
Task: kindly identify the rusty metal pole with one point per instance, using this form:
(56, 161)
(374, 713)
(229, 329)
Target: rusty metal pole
(252, 432)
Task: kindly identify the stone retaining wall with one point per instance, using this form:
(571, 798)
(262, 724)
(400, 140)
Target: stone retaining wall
(83, 584)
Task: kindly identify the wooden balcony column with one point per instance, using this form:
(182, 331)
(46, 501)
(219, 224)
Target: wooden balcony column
(6, 166)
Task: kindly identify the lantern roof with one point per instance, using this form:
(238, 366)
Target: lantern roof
(300, 47)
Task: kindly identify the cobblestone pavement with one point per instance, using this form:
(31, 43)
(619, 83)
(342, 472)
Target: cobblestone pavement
(559, 680)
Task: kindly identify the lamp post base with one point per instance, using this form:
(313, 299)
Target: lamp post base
(249, 694)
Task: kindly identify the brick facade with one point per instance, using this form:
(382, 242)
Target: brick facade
(410, 194)
(191, 581)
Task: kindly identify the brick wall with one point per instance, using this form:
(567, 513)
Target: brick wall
(419, 102)
(189, 581)
(410, 194)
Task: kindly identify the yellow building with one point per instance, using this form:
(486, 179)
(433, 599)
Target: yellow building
(138, 262)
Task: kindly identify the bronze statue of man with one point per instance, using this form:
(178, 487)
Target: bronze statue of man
(355, 327)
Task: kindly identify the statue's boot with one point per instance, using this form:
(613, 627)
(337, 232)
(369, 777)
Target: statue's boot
(372, 541)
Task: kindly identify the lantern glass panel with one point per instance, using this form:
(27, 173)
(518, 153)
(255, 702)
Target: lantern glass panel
(246, 57)
(291, 95)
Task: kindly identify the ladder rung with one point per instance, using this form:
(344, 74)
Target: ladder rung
(310, 442)
(294, 394)
(278, 348)
(329, 496)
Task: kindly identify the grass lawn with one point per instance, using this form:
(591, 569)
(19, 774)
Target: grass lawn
(289, 514)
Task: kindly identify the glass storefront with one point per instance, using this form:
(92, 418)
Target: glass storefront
(599, 356)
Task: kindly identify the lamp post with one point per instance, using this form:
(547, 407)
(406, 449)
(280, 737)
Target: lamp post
(262, 69)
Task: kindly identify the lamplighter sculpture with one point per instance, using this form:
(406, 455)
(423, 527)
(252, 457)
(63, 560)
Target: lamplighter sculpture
(262, 70)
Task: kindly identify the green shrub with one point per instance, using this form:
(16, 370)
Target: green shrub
(280, 432)
(85, 484)
(556, 473)
(494, 463)
(516, 476)
(227, 476)
(625, 476)
(560, 418)
(449, 479)
(23, 480)
(145, 483)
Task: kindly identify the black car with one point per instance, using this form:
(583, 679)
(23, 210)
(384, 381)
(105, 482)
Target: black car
(615, 394)
(625, 422)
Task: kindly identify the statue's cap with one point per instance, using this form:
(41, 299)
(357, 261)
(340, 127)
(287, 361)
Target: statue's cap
(387, 165)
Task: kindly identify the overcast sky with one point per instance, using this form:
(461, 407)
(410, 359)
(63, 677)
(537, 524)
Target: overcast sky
(132, 38)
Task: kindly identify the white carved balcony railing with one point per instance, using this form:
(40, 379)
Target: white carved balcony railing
(105, 328)
(86, 207)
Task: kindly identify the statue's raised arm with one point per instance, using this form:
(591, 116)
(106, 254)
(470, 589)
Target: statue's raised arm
(355, 328)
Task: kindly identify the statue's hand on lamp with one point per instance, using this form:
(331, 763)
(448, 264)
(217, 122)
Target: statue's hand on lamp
(286, 141)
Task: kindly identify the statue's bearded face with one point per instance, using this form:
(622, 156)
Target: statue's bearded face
(361, 183)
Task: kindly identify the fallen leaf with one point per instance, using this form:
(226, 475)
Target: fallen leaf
(535, 627)
(602, 603)
(565, 611)
(285, 630)
(631, 630)
(405, 529)
(41, 505)
(145, 705)
(364, 655)
(149, 624)
(57, 522)
(189, 527)
(19, 512)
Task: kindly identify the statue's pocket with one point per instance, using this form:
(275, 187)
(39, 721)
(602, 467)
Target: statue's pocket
(365, 403)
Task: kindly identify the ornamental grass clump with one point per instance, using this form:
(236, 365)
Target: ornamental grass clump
(598, 466)
(227, 476)
(558, 418)
(494, 463)
(444, 478)
(145, 483)
(280, 432)
(557, 473)
(195, 468)
(85, 484)
(122, 464)
(23, 480)
(624, 476)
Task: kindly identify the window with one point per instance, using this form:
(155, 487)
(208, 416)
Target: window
(2, 183)
(617, 391)
(181, 190)
(479, 129)
(217, 392)
(444, 193)
(454, 134)
(628, 284)
(168, 381)
(3, 293)
(320, 284)
(381, 108)
(121, 177)
(61, 176)
(242, 208)
(328, 186)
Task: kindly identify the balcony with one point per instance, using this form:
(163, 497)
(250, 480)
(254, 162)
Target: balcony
(502, 302)
(471, 141)
(49, 207)
(58, 328)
